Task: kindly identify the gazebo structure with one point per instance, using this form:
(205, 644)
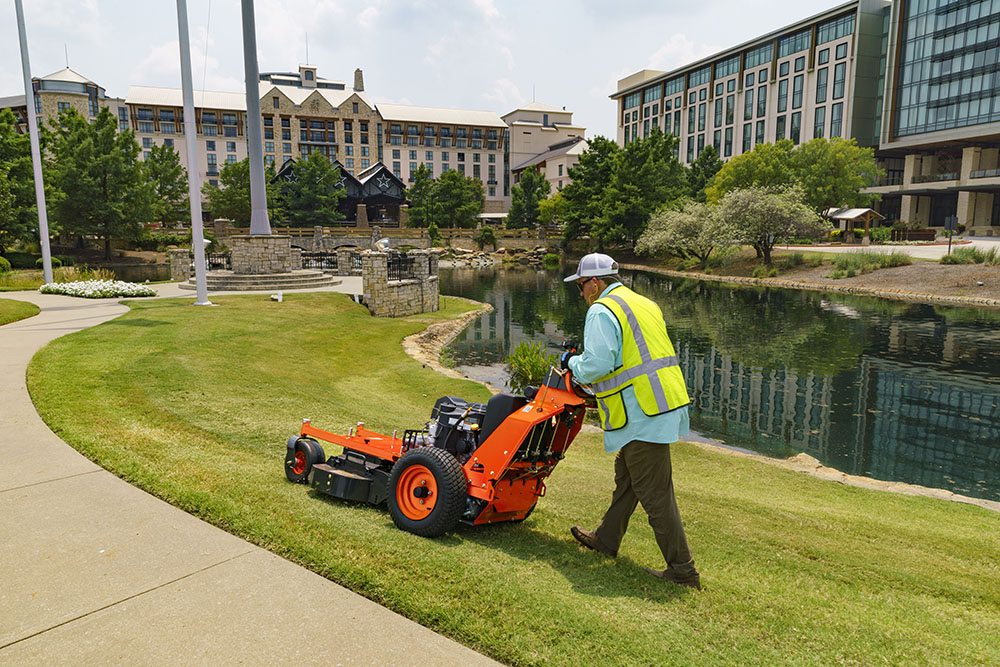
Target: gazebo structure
(852, 218)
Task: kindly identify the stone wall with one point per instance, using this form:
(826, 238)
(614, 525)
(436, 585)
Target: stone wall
(180, 263)
(399, 298)
(260, 254)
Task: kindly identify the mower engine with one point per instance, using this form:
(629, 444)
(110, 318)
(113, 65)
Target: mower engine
(455, 425)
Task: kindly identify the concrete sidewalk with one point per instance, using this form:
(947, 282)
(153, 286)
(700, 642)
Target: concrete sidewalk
(93, 570)
(931, 251)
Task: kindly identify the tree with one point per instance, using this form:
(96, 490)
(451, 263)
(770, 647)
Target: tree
(645, 176)
(762, 217)
(833, 172)
(231, 198)
(96, 167)
(524, 198)
(552, 211)
(457, 200)
(421, 196)
(766, 166)
(312, 197)
(18, 214)
(585, 192)
(163, 170)
(687, 232)
(702, 171)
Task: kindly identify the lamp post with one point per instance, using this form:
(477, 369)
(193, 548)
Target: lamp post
(36, 154)
(191, 143)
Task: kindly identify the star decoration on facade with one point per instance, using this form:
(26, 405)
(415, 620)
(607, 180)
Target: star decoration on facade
(383, 182)
(342, 183)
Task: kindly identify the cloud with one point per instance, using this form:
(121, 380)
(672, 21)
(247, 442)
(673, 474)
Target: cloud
(678, 52)
(505, 95)
(161, 66)
(487, 8)
(508, 57)
(368, 16)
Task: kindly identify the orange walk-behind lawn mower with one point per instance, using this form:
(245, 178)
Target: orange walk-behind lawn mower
(471, 462)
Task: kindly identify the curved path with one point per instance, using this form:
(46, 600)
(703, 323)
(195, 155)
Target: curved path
(93, 570)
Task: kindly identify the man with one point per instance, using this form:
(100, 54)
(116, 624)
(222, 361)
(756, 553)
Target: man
(629, 362)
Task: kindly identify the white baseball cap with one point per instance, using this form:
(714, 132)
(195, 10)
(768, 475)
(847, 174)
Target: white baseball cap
(594, 264)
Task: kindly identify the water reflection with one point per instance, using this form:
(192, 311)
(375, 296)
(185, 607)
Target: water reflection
(890, 390)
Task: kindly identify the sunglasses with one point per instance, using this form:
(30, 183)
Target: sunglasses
(580, 285)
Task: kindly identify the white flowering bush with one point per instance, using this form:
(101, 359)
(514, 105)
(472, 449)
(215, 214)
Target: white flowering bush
(97, 289)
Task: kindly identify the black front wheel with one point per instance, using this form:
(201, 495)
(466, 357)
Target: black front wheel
(300, 459)
(427, 491)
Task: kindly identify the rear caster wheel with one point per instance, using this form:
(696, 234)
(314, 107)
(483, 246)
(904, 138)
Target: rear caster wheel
(300, 460)
(427, 491)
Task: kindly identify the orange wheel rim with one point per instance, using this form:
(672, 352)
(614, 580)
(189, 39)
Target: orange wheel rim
(300, 463)
(416, 492)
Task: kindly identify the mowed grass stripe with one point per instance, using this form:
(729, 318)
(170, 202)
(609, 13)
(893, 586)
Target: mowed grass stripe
(195, 405)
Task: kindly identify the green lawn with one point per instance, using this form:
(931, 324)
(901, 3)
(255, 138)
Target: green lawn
(12, 310)
(195, 405)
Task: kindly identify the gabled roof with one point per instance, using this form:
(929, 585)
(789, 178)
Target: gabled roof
(850, 213)
(66, 74)
(573, 146)
(440, 115)
(538, 106)
(298, 95)
(172, 97)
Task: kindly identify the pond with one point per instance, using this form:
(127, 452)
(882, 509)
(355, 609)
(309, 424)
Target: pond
(884, 389)
(138, 273)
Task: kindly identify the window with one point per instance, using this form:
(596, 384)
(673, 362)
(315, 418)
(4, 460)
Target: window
(363, 124)
(759, 134)
(748, 104)
(782, 95)
(167, 128)
(675, 86)
(835, 29)
(762, 76)
(690, 120)
(461, 169)
(632, 100)
(230, 146)
(797, 92)
(783, 69)
(349, 163)
(839, 71)
(268, 146)
(274, 102)
(349, 138)
(268, 133)
(730, 104)
(824, 56)
(701, 143)
(796, 127)
(286, 148)
(779, 128)
(349, 150)
(718, 112)
(692, 97)
(461, 157)
(800, 63)
(761, 101)
(747, 136)
(703, 93)
(364, 151)
(717, 142)
(836, 119)
(147, 142)
(428, 155)
(92, 104)
(210, 146)
(690, 153)
(412, 141)
(491, 158)
(819, 122)
(229, 119)
(718, 90)
(395, 140)
(729, 142)
(821, 77)
(211, 159)
(731, 85)
(794, 43)
(475, 171)
(560, 170)
(748, 80)
(286, 135)
(166, 115)
(701, 117)
(645, 112)
(626, 135)
(759, 56)
(229, 131)
(309, 75)
(727, 67)
(395, 153)
(141, 114)
(364, 163)
(122, 113)
(700, 77)
(148, 127)
(145, 155)
(230, 159)
(355, 107)
(269, 160)
(475, 157)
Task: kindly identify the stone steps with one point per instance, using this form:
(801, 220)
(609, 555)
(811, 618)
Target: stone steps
(220, 281)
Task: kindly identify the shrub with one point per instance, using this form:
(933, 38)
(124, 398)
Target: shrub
(67, 260)
(485, 237)
(4, 265)
(972, 256)
(856, 263)
(550, 261)
(56, 263)
(528, 365)
(434, 234)
(21, 260)
(791, 261)
(880, 235)
(772, 273)
(760, 272)
(835, 234)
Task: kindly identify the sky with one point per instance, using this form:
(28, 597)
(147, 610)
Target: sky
(490, 55)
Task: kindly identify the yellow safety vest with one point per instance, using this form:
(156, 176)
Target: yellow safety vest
(649, 364)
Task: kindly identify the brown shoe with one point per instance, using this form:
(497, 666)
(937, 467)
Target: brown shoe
(589, 540)
(692, 581)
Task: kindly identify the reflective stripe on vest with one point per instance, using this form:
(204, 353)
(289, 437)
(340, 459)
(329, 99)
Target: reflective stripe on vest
(647, 366)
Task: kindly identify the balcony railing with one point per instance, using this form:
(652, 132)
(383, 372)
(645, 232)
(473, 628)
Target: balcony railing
(985, 173)
(932, 178)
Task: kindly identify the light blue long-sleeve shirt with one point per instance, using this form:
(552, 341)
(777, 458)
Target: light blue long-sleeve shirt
(602, 353)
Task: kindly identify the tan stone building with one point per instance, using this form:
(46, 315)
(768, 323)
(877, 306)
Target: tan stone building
(543, 136)
(65, 89)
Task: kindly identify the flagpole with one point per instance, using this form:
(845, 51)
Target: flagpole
(259, 223)
(36, 154)
(191, 143)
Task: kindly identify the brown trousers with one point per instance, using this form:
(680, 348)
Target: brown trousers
(643, 475)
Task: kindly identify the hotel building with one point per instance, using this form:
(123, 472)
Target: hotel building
(917, 80)
(545, 137)
(59, 91)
